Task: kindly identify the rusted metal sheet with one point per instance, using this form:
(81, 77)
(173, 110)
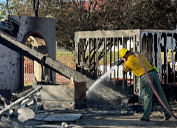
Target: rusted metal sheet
(68, 96)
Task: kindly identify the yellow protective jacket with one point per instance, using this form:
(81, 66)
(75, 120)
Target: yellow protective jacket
(133, 64)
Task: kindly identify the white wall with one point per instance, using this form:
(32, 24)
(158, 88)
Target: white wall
(119, 70)
(169, 46)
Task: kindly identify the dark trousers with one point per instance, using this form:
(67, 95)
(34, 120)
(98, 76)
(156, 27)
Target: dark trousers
(147, 92)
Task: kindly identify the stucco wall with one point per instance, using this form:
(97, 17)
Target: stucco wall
(9, 69)
(11, 66)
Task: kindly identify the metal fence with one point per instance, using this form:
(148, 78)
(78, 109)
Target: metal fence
(29, 71)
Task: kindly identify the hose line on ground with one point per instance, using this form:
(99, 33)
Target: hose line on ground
(157, 95)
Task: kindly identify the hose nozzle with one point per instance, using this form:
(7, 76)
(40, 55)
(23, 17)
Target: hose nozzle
(121, 61)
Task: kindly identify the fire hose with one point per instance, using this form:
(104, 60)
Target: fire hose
(154, 90)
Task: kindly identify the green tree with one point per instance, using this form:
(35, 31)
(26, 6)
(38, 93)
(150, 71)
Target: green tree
(7, 8)
(88, 15)
(149, 14)
(71, 16)
(2, 10)
(1, 14)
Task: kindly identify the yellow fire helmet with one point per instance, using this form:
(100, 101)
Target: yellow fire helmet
(122, 52)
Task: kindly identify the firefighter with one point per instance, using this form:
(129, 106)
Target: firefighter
(132, 63)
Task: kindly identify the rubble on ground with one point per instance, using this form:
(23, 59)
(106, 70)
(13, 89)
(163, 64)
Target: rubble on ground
(27, 111)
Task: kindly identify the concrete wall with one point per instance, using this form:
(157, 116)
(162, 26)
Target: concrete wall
(9, 69)
(11, 66)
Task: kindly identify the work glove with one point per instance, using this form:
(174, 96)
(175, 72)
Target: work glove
(121, 61)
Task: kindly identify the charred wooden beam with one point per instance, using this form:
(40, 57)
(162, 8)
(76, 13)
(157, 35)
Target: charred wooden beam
(45, 60)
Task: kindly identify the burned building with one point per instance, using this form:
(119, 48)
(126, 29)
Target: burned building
(92, 48)
(158, 46)
(21, 28)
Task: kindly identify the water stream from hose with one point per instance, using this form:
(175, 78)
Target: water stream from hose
(154, 90)
(102, 77)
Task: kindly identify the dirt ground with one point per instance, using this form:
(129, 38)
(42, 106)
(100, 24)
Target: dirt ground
(125, 121)
(91, 118)
(122, 115)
